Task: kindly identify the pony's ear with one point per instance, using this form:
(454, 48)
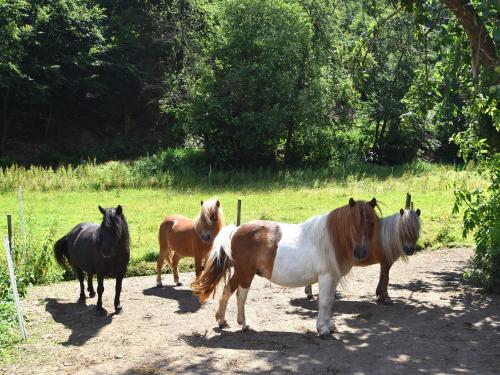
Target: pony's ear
(351, 202)
(201, 203)
(103, 211)
(373, 202)
(401, 211)
(217, 203)
(119, 210)
(418, 212)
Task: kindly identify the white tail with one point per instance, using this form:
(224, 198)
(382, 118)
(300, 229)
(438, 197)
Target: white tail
(222, 243)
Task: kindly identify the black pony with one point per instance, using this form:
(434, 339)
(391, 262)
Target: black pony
(101, 249)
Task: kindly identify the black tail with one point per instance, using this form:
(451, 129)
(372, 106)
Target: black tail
(61, 252)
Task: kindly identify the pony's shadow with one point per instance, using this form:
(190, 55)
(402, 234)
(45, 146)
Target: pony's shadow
(187, 302)
(79, 318)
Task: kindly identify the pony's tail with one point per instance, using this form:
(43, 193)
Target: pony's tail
(61, 251)
(218, 265)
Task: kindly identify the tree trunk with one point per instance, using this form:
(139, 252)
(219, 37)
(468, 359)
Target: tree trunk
(5, 119)
(288, 143)
(377, 136)
(484, 51)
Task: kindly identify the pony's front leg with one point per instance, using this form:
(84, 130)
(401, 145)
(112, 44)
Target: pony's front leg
(100, 289)
(382, 294)
(118, 290)
(327, 288)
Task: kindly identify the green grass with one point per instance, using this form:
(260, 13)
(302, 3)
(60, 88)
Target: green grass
(50, 214)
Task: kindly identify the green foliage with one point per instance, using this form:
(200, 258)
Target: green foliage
(482, 206)
(266, 86)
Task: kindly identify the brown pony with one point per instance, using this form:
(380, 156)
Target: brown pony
(396, 238)
(321, 249)
(180, 236)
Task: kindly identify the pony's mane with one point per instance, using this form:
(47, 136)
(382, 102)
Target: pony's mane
(120, 231)
(343, 226)
(395, 229)
(317, 228)
(208, 209)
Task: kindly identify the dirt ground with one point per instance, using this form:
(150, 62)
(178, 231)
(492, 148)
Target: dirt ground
(435, 325)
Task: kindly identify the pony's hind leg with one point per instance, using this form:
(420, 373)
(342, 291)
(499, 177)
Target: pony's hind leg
(174, 267)
(309, 292)
(81, 279)
(327, 287)
(229, 289)
(90, 286)
(159, 265)
(118, 290)
(100, 289)
(241, 297)
(198, 266)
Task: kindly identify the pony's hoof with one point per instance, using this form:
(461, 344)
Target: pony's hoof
(101, 312)
(91, 294)
(384, 301)
(310, 297)
(325, 336)
(81, 299)
(118, 310)
(223, 324)
(246, 328)
(159, 285)
(178, 283)
(333, 328)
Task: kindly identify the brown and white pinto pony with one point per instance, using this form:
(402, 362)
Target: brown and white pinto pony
(396, 238)
(180, 236)
(321, 249)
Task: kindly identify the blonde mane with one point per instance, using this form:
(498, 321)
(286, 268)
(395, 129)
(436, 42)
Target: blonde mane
(395, 229)
(209, 209)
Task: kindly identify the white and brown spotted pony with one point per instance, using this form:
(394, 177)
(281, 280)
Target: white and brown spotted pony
(321, 249)
(396, 238)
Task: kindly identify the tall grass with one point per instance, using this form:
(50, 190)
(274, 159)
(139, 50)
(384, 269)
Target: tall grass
(185, 168)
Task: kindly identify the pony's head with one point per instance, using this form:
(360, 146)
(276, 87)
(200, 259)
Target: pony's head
(362, 222)
(210, 220)
(409, 229)
(115, 226)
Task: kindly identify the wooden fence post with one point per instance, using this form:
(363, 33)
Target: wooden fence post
(238, 217)
(408, 201)
(9, 229)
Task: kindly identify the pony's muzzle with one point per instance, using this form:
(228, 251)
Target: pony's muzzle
(206, 237)
(360, 252)
(409, 250)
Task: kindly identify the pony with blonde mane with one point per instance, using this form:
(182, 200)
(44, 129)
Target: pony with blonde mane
(396, 238)
(321, 249)
(180, 236)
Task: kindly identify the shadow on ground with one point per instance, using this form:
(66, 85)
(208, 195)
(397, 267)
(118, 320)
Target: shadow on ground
(188, 303)
(79, 318)
(414, 335)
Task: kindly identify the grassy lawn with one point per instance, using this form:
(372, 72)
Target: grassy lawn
(50, 214)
